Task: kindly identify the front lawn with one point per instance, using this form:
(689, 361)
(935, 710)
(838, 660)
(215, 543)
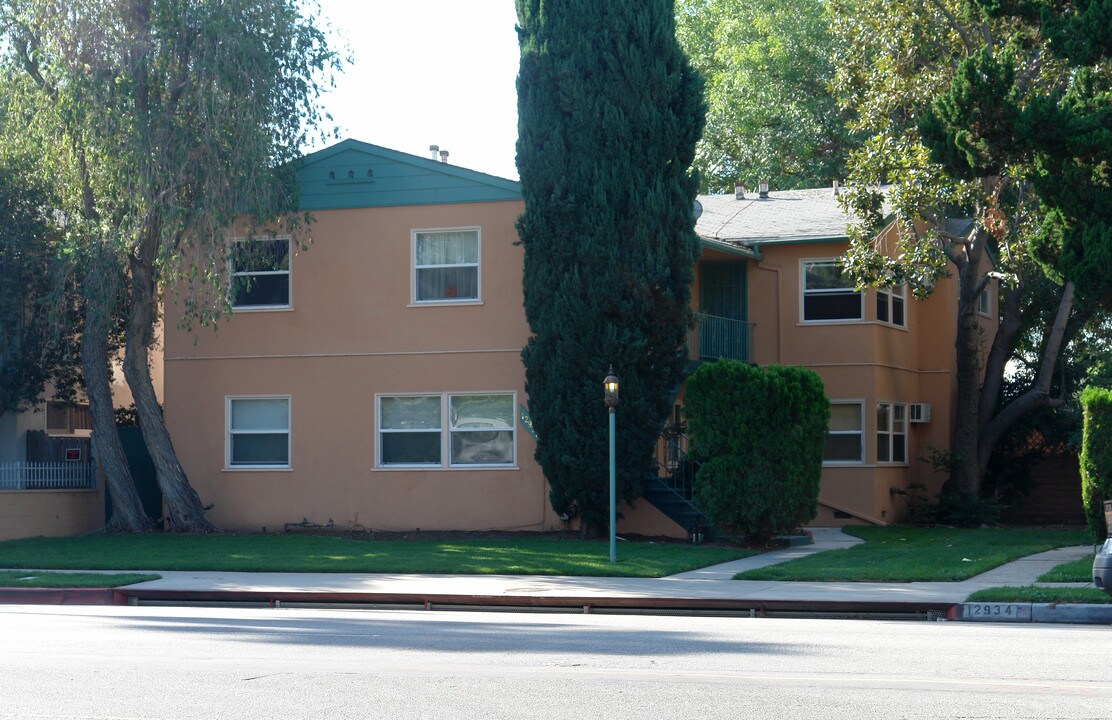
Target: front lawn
(909, 554)
(314, 553)
(1040, 595)
(1080, 570)
(29, 579)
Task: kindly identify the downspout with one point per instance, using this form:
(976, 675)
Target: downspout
(779, 304)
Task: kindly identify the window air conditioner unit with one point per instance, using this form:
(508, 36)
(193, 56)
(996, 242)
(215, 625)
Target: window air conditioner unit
(920, 412)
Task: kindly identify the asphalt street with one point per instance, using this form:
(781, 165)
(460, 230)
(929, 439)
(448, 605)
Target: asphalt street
(175, 663)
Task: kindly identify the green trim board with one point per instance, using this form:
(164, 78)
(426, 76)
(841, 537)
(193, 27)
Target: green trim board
(729, 248)
(355, 174)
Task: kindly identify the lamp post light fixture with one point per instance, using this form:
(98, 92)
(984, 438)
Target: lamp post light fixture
(610, 398)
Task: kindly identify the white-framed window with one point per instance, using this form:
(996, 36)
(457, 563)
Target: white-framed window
(844, 443)
(891, 432)
(65, 418)
(446, 430)
(446, 266)
(984, 302)
(828, 295)
(260, 276)
(891, 305)
(258, 432)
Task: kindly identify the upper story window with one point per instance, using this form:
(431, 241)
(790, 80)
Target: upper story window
(891, 304)
(260, 274)
(844, 441)
(446, 265)
(984, 302)
(258, 432)
(891, 432)
(446, 430)
(827, 293)
(66, 418)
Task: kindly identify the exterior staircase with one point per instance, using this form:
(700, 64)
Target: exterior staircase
(670, 490)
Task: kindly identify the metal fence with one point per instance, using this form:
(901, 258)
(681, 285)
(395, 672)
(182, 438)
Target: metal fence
(48, 476)
(716, 337)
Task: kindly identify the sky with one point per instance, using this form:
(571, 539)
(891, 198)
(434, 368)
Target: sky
(429, 72)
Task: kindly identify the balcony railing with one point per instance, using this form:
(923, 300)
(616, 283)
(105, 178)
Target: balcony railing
(716, 337)
(48, 476)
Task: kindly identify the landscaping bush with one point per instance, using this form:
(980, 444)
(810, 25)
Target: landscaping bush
(1096, 457)
(760, 433)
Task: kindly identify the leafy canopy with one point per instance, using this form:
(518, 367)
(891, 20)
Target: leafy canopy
(770, 112)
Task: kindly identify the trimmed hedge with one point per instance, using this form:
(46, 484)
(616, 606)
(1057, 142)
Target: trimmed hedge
(1096, 457)
(760, 434)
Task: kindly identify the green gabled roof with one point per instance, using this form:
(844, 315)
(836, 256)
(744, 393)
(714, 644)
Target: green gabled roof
(354, 174)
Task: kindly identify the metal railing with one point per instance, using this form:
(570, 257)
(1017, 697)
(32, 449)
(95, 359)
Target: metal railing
(716, 337)
(674, 466)
(48, 476)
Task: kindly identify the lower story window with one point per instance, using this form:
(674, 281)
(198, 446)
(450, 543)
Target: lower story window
(843, 443)
(258, 432)
(446, 430)
(891, 432)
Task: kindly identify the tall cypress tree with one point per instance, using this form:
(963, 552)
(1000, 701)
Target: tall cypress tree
(609, 114)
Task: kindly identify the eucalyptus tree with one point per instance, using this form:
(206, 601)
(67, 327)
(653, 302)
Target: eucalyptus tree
(610, 111)
(955, 97)
(770, 111)
(178, 118)
(60, 307)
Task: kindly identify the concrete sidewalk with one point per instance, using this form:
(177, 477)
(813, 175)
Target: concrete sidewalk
(709, 588)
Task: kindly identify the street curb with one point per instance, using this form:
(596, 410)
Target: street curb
(586, 604)
(61, 596)
(437, 601)
(1071, 613)
(1061, 613)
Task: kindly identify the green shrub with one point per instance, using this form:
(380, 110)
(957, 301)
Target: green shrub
(760, 433)
(1096, 457)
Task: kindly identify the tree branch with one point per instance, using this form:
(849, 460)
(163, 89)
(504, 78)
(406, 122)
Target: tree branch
(1003, 345)
(1039, 393)
(956, 27)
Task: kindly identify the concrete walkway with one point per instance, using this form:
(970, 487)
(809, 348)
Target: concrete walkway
(824, 539)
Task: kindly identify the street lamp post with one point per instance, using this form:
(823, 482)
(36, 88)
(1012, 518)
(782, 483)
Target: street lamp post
(610, 397)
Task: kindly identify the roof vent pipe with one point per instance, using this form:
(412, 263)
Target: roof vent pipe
(433, 149)
(837, 190)
(739, 191)
(762, 189)
(443, 156)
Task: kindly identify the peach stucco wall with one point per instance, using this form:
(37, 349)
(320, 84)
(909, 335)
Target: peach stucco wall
(867, 361)
(51, 513)
(351, 335)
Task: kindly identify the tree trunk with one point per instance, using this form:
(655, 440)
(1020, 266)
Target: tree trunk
(965, 473)
(978, 426)
(184, 511)
(127, 509)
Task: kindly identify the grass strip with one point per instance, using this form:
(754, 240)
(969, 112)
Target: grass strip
(1080, 570)
(911, 554)
(36, 579)
(1040, 595)
(313, 553)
